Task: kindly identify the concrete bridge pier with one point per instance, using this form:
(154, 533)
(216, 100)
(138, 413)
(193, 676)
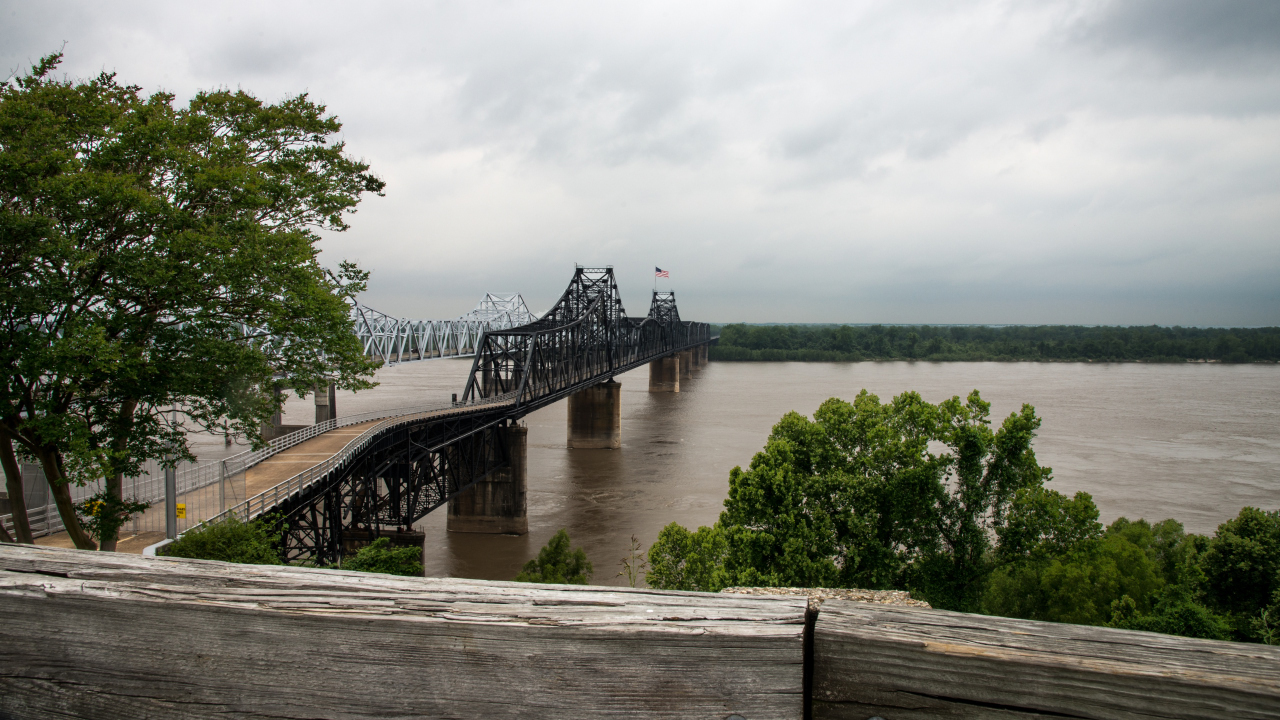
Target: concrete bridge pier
(664, 374)
(595, 417)
(686, 365)
(326, 403)
(496, 504)
(276, 427)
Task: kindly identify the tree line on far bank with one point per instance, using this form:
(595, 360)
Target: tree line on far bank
(1043, 343)
(908, 495)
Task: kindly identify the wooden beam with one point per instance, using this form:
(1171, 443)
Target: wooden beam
(109, 636)
(902, 663)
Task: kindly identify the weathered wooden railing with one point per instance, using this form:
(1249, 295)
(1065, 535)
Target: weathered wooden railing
(110, 636)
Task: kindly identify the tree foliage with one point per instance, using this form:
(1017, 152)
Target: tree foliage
(380, 557)
(104, 513)
(156, 257)
(979, 343)
(557, 563)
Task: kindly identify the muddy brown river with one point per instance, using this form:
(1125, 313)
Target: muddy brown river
(1191, 441)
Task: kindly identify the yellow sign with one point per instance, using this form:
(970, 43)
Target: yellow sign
(182, 510)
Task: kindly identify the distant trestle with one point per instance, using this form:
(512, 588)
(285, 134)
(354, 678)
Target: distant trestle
(396, 340)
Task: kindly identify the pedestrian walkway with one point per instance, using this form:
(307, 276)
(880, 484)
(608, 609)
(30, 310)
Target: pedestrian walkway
(303, 456)
(263, 476)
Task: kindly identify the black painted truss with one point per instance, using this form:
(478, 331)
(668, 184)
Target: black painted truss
(585, 339)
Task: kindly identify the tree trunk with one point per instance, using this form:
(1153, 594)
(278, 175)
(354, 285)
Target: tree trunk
(115, 482)
(115, 486)
(17, 500)
(61, 490)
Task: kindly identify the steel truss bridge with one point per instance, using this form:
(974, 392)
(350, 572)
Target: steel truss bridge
(396, 340)
(404, 467)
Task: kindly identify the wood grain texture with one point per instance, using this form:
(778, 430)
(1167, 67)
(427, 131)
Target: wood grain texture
(902, 663)
(109, 636)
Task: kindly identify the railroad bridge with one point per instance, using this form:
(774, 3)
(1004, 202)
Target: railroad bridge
(470, 454)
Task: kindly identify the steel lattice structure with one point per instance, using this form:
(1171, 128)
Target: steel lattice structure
(407, 469)
(396, 340)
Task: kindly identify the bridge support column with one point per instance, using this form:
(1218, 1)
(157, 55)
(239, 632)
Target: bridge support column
(595, 417)
(496, 504)
(276, 428)
(326, 403)
(703, 358)
(686, 365)
(664, 374)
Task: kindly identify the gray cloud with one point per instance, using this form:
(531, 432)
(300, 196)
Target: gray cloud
(985, 161)
(1200, 34)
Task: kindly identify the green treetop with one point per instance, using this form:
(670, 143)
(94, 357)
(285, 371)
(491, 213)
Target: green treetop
(557, 563)
(160, 257)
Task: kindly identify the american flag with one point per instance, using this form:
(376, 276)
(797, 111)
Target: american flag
(659, 272)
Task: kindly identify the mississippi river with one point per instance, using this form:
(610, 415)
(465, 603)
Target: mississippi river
(1194, 442)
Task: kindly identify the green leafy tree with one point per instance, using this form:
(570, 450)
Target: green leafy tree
(161, 257)
(1241, 567)
(229, 540)
(1176, 612)
(683, 560)
(857, 497)
(828, 343)
(380, 557)
(557, 563)
(1044, 523)
(1081, 580)
(928, 498)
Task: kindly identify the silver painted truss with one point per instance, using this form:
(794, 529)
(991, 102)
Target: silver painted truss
(396, 340)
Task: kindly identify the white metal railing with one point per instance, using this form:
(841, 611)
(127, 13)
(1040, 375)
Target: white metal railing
(42, 513)
(272, 497)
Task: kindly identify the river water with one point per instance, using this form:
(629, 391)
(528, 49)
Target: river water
(1194, 442)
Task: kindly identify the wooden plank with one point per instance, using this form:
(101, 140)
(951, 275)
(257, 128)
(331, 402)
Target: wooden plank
(902, 663)
(108, 636)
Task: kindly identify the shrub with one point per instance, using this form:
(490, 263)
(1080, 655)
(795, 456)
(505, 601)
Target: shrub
(229, 540)
(556, 563)
(380, 557)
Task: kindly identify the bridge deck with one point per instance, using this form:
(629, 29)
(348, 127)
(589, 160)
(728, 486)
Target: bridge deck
(282, 466)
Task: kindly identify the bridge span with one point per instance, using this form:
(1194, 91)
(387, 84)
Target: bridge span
(395, 340)
(469, 453)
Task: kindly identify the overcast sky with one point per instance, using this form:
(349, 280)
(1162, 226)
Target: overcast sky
(933, 162)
